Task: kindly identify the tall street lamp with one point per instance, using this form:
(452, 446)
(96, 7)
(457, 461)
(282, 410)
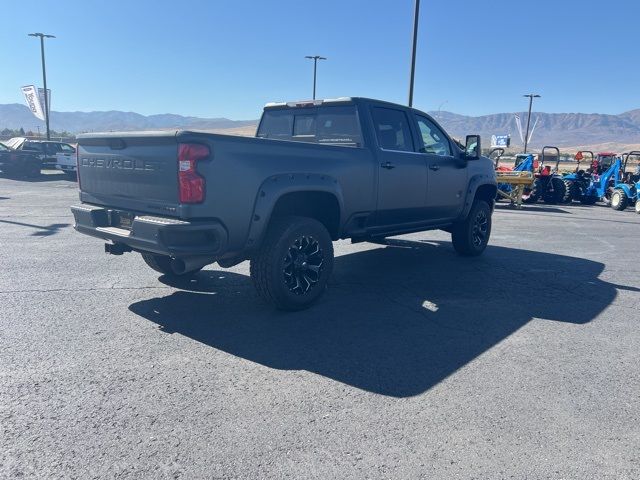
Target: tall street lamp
(44, 79)
(531, 96)
(413, 50)
(315, 59)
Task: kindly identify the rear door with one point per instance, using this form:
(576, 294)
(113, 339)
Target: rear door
(136, 171)
(402, 179)
(447, 174)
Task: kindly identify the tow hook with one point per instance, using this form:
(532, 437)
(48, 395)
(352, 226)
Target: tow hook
(116, 248)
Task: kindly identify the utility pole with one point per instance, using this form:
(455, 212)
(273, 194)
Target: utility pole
(42, 36)
(413, 51)
(315, 59)
(531, 96)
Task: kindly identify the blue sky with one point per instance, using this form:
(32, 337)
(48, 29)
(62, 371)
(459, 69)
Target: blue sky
(228, 58)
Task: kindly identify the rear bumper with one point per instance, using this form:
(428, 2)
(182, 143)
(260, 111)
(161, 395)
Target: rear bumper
(162, 235)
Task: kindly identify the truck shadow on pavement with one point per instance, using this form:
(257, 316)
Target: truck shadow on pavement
(396, 320)
(53, 176)
(41, 230)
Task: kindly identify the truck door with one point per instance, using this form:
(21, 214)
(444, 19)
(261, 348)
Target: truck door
(402, 179)
(447, 174)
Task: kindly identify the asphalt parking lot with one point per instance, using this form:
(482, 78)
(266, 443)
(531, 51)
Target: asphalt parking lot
(523, 363)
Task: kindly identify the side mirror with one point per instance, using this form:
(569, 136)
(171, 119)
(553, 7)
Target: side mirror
(472, 147)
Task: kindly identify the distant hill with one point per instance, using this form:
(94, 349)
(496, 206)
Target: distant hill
(15, 115)
(559, 129)
(568, 130)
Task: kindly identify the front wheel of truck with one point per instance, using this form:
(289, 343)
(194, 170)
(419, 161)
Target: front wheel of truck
(470, 237)
(294, 263)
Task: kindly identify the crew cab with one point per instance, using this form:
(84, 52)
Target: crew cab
(18, 163)
(45, 150)
(317, 171)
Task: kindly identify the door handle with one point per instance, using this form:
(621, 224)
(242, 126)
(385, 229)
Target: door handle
(387, 165)
(434, 167)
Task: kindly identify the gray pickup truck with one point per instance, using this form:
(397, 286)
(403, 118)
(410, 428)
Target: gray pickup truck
(317, 171)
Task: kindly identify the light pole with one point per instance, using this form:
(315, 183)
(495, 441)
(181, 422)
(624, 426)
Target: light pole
(44, 79)
(413, 50)
(315, 59)
(531, 96)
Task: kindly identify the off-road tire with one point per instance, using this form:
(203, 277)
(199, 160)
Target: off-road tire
(558, 194)
(570, 188)
(619, 199)
(162, 264)
(534, 195)
(294, 263)
(638, 206)
(471, 236)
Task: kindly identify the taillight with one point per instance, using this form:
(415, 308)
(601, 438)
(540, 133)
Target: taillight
(191, 184)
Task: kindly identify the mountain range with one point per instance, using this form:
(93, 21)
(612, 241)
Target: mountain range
(15, 116)
(567, 130)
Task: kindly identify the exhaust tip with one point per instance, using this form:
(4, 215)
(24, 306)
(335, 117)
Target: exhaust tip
(178, 266)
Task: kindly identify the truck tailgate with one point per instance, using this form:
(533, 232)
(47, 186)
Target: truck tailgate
(134, 171)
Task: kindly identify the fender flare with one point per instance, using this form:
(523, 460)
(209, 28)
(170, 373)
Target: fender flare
(474, 183)
(276, 186)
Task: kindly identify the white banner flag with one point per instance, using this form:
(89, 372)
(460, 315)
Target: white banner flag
(33, 101)
(41, 96)
(519, 125)
(534, 127)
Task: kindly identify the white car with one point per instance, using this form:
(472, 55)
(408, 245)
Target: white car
(66, 160)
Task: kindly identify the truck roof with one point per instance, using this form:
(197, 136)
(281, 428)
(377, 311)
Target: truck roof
(325, 101)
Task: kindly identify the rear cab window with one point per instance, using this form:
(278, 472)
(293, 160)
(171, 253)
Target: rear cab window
(326, 125)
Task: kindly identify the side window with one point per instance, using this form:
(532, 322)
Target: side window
(392, 129)
(434, 141)
(34, 147)
(67, 148)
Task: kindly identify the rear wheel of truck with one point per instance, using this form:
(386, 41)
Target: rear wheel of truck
(292, 267)
(471, 236)
(162, 264)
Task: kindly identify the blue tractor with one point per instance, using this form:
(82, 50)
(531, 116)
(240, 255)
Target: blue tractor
(625, 190)
(577, 181)
(601, 186)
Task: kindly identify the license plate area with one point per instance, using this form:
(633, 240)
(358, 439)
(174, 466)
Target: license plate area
(120, 219)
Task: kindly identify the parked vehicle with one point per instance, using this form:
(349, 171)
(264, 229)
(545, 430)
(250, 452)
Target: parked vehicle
(625, 190)
(66, 161)
(514, 184)
(14, 162)
(318, 171)
(45, 150)
(602, 185)
(577, 182)
(548, 185)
